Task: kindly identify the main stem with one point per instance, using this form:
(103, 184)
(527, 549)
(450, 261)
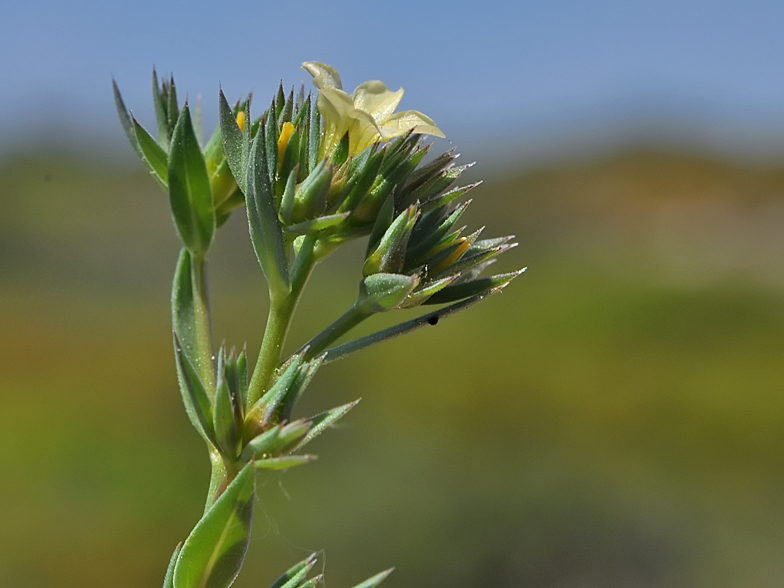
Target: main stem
(281, 310)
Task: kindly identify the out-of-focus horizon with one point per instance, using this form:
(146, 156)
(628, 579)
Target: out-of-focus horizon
(504, 80)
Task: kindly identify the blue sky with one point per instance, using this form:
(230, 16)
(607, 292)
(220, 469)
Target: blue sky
(541, 75)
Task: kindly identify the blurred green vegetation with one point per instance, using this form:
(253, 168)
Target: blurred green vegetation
(614, 418)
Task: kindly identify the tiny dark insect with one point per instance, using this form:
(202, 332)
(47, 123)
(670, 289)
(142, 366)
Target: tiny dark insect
(433, 320)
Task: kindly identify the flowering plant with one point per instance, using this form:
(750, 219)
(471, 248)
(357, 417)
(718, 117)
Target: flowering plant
(312, 175)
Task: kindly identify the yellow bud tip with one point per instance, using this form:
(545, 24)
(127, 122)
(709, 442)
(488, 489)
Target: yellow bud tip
(456, 254)
(285, 135)
(241, 120)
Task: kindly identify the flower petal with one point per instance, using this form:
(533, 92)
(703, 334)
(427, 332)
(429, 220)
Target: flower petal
(408, 120)
(362, 132)
(375, 98)
(335, 106)
(324, 76)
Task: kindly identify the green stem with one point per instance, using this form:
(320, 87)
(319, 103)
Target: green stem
(278, 321)
(347, 321)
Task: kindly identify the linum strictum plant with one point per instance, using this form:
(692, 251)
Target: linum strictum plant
(313, 173)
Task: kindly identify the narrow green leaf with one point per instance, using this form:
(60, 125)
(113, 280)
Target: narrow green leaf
(287, 200)
(296, 573)
(306, 372)
(472, 288)
(312, 582)
(194, 395)
(316, 224)
(375, 580)
(270, 134)
(125, 119)
(431, 318)
(223, 423)
(314, 138)
(320, 422)
(242, 370)
(153, 155)
(190, 194)
(289, 435)
(161, 105)
(214, 551)
(172, 108)
(265, 230)
(283, 463)
(168, 580)
(266, 406)
(383, 222)
(448, 197)
(233, 139)
(261, 444)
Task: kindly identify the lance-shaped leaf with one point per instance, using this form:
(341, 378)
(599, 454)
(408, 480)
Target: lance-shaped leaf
(190, 194)
(214, 551)
(431, 318)
(263, 410)
(283, 463)
(261, 444)
(125, 119)
(316, 224)
(447, 197)
(223, 419)
(194, 395)
(289, 435)
(305, 374)
(234, 140)
(390, 252)
(321, 422)
(472, 288)
(295, 574)
(375, 580)
(154, 156)
(265, 230)
(168, 580)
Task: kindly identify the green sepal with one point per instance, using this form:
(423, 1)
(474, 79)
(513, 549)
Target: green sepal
(433, 187)
(314, 136)
(312, 582)
(172, 108)
(283, 463)
(424, 292)
(321, 422)
(264, 409)
(375, 580)
(260, 444)
(305, 374)
(382, 292)
(448, 197)
(472, 258)
(294, 575)
(310, 199)
(384, 219)
(168, 579)
(234, 140)
(242, 372)
(427, 172)
(290, 434)
(270, 134)
(153, 155)
(290, 155)
(287, 199)
(223, 419)
(472, 288)
(159, 99)
(288, 108)
(265, 230)
(194, 394)
(316, 224)
(363, 171)
(389, 254)
(190, 194)
(214, 551)
(422, 242)
(125, 119)
(340, 155)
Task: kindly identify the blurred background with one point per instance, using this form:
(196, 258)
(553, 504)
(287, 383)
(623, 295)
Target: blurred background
(614, 418)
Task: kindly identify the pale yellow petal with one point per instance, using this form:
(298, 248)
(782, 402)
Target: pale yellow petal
(324, 76)
(362, 131)
(409, 120)
(335, 106)
(376, 98)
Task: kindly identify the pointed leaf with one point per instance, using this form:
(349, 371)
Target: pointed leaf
(296, 573)
(161, 106)
(197, 402)
(320, 422)
(190, 194)
(233, 139)
(152, 154)
(316, 224)
(168, 580)
(265, 230)
(472, 288)
(375, 580)
(214, 551)
(283, 463)
(125, 119)
(223, 419)
(261, 444)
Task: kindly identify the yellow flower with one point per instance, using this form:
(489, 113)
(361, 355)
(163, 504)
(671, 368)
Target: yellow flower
(368, 115)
